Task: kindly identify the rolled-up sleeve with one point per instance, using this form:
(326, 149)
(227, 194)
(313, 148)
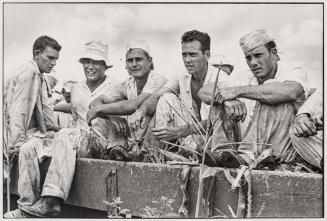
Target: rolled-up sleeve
(155, 82)
(313, 105)
(298, 75)
(173, 83)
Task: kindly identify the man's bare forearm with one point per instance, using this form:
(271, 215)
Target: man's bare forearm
(271, 93)
(187, 130)
(65, 108)
(150, 104)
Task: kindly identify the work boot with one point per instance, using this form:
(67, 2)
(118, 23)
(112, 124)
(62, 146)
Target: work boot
(228, 158)
(47, 206)
(16, 214)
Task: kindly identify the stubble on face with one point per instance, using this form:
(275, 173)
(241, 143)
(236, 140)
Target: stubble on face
(94, 72)
(195, 61)
(260, 61)
(46, 59)
(137, 63)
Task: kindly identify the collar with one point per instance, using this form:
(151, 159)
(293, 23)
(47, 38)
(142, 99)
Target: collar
(211, 73)
(35, 66)
(104, 83)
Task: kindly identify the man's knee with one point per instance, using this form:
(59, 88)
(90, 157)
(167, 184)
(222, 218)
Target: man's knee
(167, 98)
(27, 148)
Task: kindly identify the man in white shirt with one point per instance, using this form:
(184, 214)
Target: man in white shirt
(177, 106)
(307, 130)
(125, 140)
(272, 97)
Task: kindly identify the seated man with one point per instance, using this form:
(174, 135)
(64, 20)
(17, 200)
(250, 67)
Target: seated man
(306, 131)
(272, 97)
(64, 145)
(29, 114)
(179, 112)
(123, 140)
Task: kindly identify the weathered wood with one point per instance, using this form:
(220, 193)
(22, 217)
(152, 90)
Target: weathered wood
(276, 194)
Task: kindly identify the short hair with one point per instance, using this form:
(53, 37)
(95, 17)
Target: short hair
(45, 41)
(146, 55)
(270, 45)
(202, 37)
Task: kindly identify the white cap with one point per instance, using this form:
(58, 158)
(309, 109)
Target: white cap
(254, 39)
(96, 50)
(141, 44)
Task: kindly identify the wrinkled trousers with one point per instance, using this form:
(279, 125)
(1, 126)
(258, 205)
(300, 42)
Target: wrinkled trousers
(309, 148)
(172, 112)
(269, 128)
(63, 148)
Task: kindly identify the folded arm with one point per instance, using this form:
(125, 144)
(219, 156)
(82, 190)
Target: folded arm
(270, 93)
(63, 107)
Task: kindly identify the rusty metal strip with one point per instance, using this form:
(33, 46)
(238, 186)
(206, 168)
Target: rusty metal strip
(184, 177)
(111, 183)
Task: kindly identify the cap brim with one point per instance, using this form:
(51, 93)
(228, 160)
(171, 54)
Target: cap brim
(96, 58)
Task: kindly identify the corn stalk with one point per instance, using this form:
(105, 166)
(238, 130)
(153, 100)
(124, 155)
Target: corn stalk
(9, 152)
(200, 188)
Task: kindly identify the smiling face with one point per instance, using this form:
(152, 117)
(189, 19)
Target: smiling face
(46, 59)
(262, 63)
(137, 63)
(94, 70)
(194, 59)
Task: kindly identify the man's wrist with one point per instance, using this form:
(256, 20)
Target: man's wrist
(303, 115)
(241, 91)
(184, 131)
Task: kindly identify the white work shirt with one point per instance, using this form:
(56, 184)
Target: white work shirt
(181, 85)
(284, 73)
(313, 105)
(81, 96)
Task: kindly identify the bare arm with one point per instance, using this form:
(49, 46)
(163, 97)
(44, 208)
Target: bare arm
(125, 107)
(150, 104)
(102, 99)
(172, 133)
(270, 93)
(63, 107)
(205, 93)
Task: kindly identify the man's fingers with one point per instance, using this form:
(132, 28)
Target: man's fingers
(309, 128)
(295, 132)
(244, 110)
(318, 121)
(301, 132)
(238, 112)
(157, 129)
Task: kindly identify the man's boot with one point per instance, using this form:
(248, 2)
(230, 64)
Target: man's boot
(228, 158)
(47, 206)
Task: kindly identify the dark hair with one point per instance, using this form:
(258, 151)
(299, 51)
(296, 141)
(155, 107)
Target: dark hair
(146, 55)
(45, 41)
(272, 45)
(202, 37)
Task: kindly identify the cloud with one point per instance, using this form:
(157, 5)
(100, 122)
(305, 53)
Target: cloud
(298, 31)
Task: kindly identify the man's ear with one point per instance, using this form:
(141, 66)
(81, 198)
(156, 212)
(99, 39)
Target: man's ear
(36, 53)
(273, 53)
(207, 54)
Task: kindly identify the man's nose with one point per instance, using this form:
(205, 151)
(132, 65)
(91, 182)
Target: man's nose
(187, 58)
(134, 62)
(53, 62)
(254, 62)
(91, 66)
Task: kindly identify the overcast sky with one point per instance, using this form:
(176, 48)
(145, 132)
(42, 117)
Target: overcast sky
(297, 29)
